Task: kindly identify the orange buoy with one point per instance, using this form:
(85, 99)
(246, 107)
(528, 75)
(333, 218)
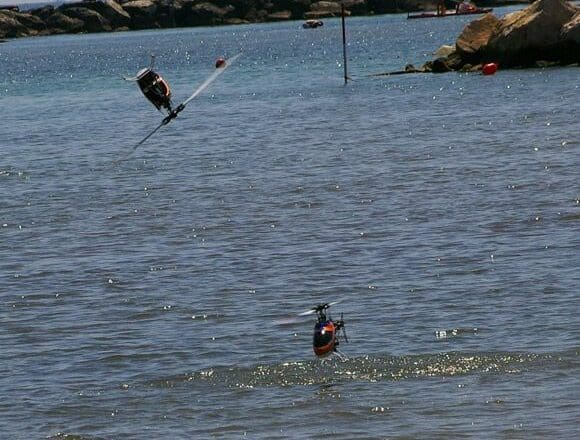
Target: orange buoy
(220, 62)
(489, 68)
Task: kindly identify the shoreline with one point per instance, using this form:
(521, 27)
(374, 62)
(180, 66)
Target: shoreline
(92, 16)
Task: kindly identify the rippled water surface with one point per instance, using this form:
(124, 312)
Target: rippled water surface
(150, 298)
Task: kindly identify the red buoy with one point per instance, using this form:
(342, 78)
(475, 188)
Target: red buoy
(489, 68)
(220, 62)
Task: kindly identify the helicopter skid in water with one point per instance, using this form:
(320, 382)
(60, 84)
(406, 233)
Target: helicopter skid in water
(327, 331)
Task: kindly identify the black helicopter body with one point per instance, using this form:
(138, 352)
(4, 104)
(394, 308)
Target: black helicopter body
(155, 88)
(158, 92)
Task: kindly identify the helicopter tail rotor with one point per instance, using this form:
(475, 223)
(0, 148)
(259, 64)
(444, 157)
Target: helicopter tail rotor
(343, 328)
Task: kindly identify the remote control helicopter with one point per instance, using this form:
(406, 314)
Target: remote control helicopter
(326, 336)
(158, 92)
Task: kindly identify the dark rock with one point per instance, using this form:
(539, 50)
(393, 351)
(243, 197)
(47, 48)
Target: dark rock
(440, 65)
(44, 12)
(203, 14)
(112, 11)
(571, 31)
(33, 23)
(324, 9)
(59, 23)
(10, 27)
(235, 20)
(531, 34)
(543, 63)
(454, 61)
(93, 21)
(544, 34)
(280, 16)
(142, 13)
(15, 24)
(297, 7)
(357, 7)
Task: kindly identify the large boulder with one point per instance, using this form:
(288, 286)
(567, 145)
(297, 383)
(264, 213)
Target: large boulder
(142, 13)
(44, 12)
(10, 27)
(571, 31)
(475, 37)
(532, 34)
(331, 8)
(280, 16)
(93, 21)
(34, 25)
(58, 23)
(112, 11)
(325, 9)
(203, 14)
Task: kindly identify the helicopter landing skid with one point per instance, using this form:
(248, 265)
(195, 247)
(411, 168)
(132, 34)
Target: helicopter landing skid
(343, 357)
(339, 354)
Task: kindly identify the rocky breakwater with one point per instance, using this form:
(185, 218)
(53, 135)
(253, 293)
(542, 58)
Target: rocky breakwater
(545, 33)
(116, 15)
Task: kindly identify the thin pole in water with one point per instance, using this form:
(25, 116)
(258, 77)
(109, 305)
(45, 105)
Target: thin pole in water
(344, 45)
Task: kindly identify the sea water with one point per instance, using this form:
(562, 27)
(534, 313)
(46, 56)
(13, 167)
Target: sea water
(153, 298)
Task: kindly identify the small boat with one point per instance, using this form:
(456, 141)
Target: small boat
(461, 8)
(311, 24)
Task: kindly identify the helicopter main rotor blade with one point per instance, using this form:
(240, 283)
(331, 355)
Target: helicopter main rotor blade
(320, 307)
(132, 150)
